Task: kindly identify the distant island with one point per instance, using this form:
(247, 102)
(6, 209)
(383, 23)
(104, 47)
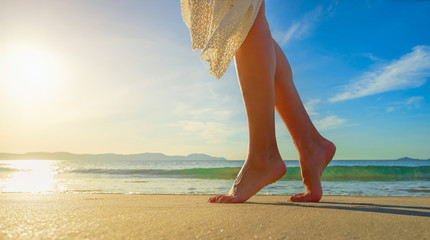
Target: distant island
(106, 156)
(411, 159)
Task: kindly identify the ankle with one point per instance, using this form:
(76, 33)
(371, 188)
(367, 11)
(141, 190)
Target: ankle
(263, 158)
(311, 144)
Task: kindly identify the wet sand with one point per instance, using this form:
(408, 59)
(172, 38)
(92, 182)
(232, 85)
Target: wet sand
(115, 216)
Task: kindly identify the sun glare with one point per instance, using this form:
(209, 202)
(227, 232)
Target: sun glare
(31, 176)
(29, 74)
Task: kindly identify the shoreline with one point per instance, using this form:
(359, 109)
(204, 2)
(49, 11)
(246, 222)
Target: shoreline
(287, 196)
(147, 216)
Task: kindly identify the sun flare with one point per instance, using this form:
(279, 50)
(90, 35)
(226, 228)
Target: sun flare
(29, 74)
(31, 176)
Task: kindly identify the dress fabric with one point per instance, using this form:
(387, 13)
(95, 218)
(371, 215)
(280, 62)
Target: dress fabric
(218, 28)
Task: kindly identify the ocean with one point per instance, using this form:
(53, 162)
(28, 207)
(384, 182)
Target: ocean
(341, 177)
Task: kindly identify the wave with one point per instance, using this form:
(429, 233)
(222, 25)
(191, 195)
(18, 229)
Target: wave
(5, 169)
(334, 173)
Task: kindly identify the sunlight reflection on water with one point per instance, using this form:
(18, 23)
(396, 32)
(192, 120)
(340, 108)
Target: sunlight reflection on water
(153, 177)
(33, 176)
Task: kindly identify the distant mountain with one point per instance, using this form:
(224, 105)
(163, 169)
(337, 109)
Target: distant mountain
(411, 159)
(106, 156)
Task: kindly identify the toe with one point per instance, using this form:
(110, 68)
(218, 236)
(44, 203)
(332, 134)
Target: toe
(305, 197)
(214, 199)
(217, 198)
(296, 197)
(222, 198)
(225, 199)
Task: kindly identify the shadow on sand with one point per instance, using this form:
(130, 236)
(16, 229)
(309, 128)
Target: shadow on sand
(364, 207)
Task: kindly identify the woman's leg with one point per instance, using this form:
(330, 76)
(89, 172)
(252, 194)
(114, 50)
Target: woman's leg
(256, 63)
(315, 152)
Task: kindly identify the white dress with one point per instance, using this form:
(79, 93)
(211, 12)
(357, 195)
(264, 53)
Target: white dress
(218, 28)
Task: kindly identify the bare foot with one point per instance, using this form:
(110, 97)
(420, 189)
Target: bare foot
(313, 161)
(253, 176)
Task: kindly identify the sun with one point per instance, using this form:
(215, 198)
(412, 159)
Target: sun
(28, 74)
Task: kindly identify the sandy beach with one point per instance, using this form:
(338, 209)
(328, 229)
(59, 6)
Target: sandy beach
(116, 216)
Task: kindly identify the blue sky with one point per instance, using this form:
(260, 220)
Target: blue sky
(120, 76)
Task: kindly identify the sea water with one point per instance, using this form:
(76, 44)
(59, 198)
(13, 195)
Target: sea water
(349, 177)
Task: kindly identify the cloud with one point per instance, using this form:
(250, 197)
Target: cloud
(301, 27)
(412, 102)
(410, 71)
(310, 106)
(305, 25)
(197, 112)
(209, 132)
(329, 122)
(371, 56)
(390, 109)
